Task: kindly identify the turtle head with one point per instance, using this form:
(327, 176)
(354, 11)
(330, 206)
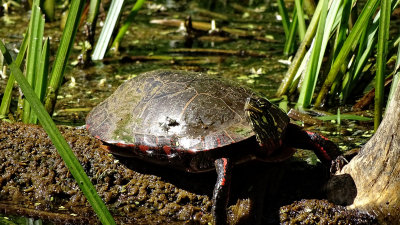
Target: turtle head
(268, 122)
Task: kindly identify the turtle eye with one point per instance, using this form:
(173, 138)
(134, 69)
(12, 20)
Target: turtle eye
(263, 103)
(252, 105)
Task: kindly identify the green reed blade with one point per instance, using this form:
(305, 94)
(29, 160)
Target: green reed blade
(59, 142)
(291, 39)
(129, 20)
(38, 79)
(300, 16)
(6, 100)
(383, 37)
(34, 46)
(42, 75)
(294, 66)
(108, 29)
(349, 45)
(396, 76)
(49, 9)
(67, 40)
(285, 18)
(317, 53)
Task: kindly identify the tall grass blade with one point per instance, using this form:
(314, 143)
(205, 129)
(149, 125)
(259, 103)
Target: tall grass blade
(396, 76)
(106, 32)
(300, 19)
(294, 66)
(93, 11)
(291, 39)
(366, 47)
(90, 32)
(309, 7)
(92, 20)
(317, 53)
(38, 77)
(348, 46)
(59, 142)
(49, 9)
(383, 37)
(64, 49)
(42, 74)
(285, 18)
(345, 8)
(6, 100)
(43, 69)
(35, 43)
(129, 20)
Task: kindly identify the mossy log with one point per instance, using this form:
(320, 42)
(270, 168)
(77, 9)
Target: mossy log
(376, 169)
(34, 182)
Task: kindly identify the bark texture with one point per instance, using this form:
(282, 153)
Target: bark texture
(376, 169)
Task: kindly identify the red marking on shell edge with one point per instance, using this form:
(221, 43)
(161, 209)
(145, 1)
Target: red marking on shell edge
(223, 182)
(87, 126)
(218, 142)
(143, 148)
(131, 145)
(97, 136)
(191, 151)
(120, 144)
(167, 149)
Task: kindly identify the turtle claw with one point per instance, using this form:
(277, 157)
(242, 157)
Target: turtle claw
(338, 164)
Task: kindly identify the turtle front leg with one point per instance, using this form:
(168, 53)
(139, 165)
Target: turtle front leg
(223, 166)
(325, 149)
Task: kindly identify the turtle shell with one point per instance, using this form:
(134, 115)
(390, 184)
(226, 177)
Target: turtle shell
(164, 112)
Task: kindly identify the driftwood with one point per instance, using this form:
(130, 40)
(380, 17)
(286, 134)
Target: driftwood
(368, 98)
(376, 170)
(202, 26)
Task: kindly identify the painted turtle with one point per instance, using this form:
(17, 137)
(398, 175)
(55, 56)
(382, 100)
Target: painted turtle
(198, 123)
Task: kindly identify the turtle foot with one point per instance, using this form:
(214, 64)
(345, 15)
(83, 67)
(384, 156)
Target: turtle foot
(338, 164)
